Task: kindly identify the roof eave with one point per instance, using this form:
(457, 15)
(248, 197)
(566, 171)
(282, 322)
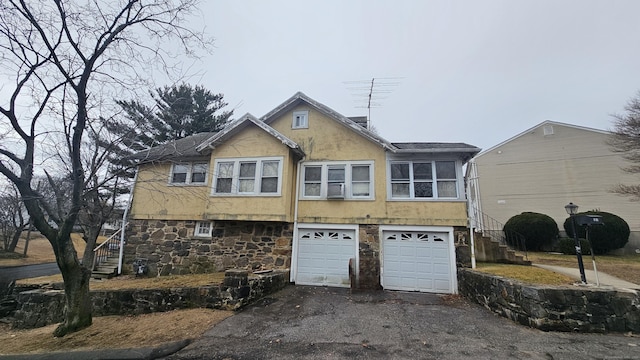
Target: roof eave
(234, 127)
(443, 150)
(465, 154)
(300, 96)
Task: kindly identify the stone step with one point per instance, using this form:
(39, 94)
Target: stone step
(102, 274)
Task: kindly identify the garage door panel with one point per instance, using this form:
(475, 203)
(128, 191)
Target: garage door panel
(421, 261)
(323, 257)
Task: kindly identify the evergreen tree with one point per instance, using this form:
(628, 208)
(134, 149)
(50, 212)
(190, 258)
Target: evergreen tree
(178, 111)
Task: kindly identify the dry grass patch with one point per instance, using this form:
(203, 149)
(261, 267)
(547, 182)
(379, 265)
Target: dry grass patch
(111, 332)
(526, 274)
(131, 282)
(115, 332)
(40, 251)
(624, 267)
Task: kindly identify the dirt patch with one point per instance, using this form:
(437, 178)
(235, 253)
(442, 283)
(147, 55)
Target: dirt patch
(115, 332)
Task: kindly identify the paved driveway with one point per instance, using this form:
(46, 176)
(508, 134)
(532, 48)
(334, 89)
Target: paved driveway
(329, 323)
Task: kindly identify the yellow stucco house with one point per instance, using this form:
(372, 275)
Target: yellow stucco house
(302, 188)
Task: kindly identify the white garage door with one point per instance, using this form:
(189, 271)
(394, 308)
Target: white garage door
(323, 256)
(417, 261)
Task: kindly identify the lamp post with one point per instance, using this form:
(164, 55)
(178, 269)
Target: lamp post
(572, 210)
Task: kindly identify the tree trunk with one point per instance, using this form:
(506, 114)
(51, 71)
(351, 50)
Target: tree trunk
(26, 241)
(91, 234)
(78, 307)
(14, 240)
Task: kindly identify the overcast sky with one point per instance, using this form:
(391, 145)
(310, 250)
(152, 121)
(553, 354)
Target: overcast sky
(478, 72)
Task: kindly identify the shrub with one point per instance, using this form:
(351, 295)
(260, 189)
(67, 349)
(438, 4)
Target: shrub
(614, 234)
(538, 229)
(567, 246)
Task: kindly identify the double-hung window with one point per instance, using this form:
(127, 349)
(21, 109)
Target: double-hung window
(300, 119)
(312, 181)
(348, 180)
(251, 176)
(423, 179)
(192, 173)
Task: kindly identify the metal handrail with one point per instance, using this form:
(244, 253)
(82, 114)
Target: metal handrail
(490, 227)
(109, 248)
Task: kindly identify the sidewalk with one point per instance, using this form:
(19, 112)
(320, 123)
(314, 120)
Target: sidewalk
(606, 280)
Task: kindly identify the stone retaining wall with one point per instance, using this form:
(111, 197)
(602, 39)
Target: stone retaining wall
(37, 308)
(553, 308)
(171, 248)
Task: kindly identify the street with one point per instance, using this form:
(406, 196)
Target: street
(8, 274)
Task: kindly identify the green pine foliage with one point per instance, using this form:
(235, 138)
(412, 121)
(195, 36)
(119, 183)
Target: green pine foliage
(176, 112)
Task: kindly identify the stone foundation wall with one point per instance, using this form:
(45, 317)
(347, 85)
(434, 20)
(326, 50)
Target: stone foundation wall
(170, 247)
(369, 258)
(40, 307)
(553, 308)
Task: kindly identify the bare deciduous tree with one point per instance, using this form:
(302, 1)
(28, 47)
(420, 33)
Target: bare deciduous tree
(625, 139)
(13, 218)
(64, 59)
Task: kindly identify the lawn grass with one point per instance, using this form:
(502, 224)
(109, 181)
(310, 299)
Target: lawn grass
(525, 274)
(39, 250)
(625, 267)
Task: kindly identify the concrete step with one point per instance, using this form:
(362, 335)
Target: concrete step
(493, 251)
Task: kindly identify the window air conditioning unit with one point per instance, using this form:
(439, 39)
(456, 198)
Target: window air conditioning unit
(335, 191)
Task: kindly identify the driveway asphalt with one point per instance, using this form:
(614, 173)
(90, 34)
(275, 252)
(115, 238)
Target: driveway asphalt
(330, 323)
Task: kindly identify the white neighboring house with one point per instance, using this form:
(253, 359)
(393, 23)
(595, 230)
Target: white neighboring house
(547, 166)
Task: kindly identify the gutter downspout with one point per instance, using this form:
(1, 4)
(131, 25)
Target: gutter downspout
(294, 242)
(124, 222)
(471, 211)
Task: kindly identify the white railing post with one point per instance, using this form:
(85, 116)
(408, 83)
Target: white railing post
(125, 214)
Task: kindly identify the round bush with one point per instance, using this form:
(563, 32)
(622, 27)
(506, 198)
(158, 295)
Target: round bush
(614, 234)
(567, 246)
(539, 230)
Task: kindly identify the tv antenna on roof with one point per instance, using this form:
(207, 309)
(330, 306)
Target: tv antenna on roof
(370, 92)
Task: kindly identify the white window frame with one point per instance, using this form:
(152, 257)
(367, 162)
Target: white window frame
(257, 187)
(300, 119)
(434, 181)
(348, 182)
(197, 231)
(188, 180)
